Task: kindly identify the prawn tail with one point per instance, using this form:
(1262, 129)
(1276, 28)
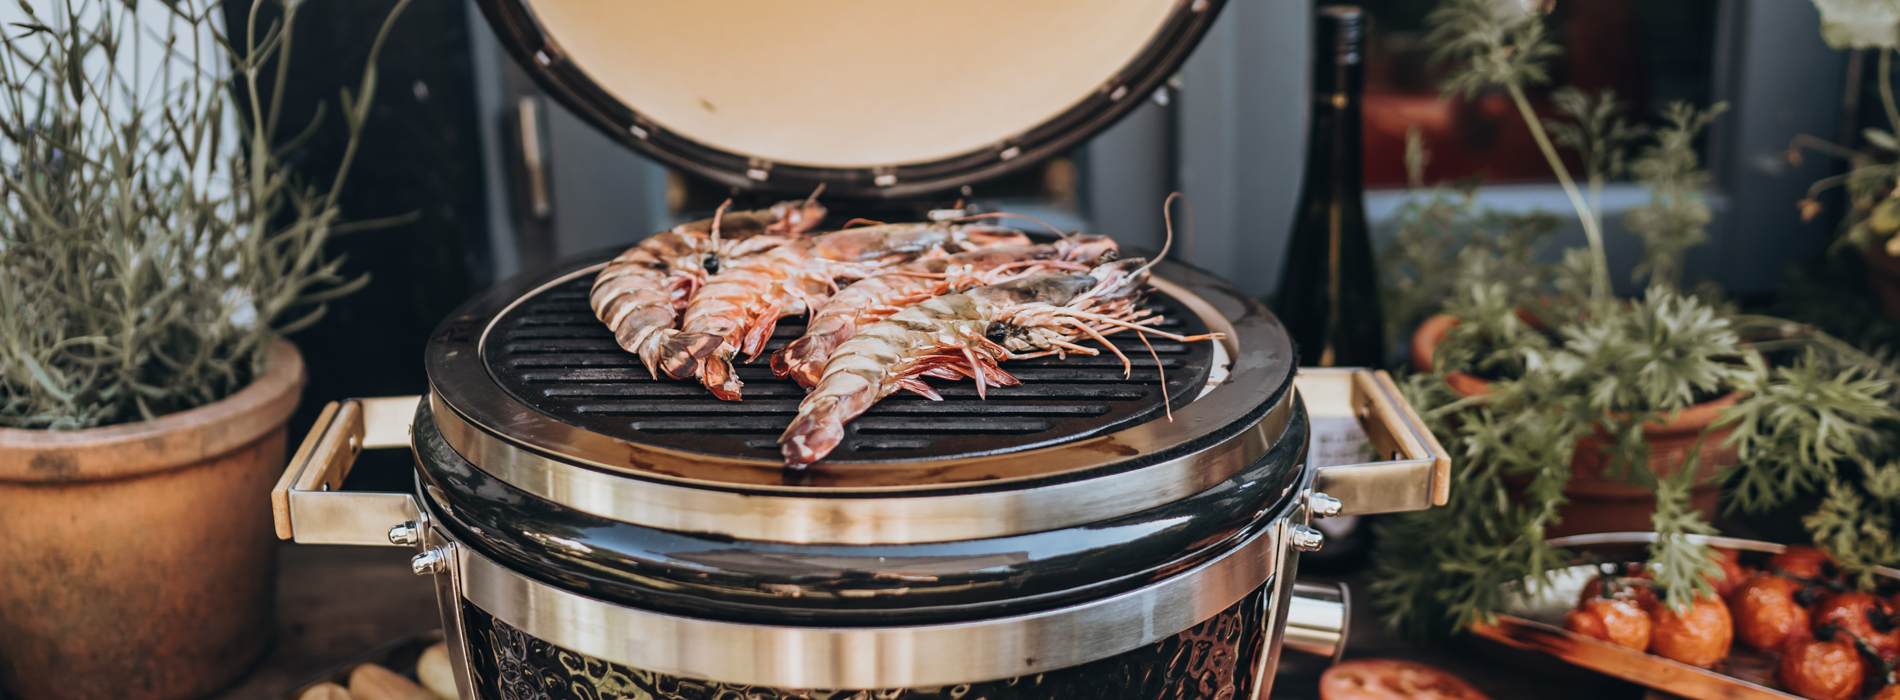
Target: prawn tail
(816, 431)
(803, 360)
(759, 331)
(647, 345)
(716, 373)
(683, 355)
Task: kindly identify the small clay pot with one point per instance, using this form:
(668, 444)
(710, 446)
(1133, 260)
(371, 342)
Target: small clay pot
(136, 560)
(1601, 500)
(1883, 279)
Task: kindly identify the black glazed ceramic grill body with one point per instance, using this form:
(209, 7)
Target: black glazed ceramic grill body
(593, 526)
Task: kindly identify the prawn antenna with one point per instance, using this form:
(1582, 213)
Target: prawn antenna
(718, 214)
(1008, 215)
(814, 195)
(1167, 216)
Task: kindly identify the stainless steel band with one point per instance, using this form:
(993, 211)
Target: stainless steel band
(834, 520)
(873, 657)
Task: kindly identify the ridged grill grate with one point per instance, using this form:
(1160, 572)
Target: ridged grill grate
(551, 353)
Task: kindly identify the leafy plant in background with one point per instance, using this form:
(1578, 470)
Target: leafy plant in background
(152, 240)
(1873, 216)
(1569, 364)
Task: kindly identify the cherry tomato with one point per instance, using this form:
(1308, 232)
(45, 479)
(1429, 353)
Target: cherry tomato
(1806, 562)
(1699, 636)
(1767, 613)
(1392, 679)
(1821, 669)
(1864, 616)
(1620, 622)
(1732, 575)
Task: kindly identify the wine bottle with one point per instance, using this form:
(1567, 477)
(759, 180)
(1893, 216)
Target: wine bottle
(1329, 289)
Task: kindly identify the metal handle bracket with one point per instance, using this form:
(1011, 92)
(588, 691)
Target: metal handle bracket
(307, 504)
(1419, 474)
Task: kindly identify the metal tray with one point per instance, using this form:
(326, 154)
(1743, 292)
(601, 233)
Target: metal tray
(1536, 625)
(397, 655)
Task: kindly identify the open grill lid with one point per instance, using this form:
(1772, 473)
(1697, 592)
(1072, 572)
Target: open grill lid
(870, 98)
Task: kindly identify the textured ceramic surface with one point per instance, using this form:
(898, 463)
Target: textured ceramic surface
(1214, 660)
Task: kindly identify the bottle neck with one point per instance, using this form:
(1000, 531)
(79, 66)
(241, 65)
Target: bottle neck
(1338, 81)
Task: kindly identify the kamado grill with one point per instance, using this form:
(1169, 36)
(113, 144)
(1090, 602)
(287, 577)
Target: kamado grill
(596, 533)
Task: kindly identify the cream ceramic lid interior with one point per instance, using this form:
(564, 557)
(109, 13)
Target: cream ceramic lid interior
(851, 83)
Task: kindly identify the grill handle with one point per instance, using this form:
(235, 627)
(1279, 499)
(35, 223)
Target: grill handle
(308, 504)
(1318, 619)
(1417, 475)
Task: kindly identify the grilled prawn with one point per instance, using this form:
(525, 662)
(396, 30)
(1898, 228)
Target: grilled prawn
(737, 309)
(877, 298)
(967, 335)
(642, 290)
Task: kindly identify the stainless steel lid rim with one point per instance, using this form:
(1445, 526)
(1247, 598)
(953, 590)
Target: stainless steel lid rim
(871, 657)
(537, 52)
(717, 577)
(863, 520)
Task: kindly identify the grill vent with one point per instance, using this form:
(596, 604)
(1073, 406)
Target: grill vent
(551, 353)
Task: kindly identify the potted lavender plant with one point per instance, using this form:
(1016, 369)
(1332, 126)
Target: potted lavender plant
(154, 250)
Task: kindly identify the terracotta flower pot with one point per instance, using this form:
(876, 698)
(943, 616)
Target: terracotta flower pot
(136, 560)
(1600, 500)
(1883, 279)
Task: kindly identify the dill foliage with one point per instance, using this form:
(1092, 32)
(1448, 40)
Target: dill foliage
(152, 241)
(1569, 365)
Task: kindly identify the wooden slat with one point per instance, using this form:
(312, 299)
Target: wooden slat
(280, 494)
(336, 450)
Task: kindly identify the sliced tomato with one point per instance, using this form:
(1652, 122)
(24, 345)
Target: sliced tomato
(1392, 679)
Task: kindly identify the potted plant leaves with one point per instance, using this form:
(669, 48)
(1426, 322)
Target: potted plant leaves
(1567, 409)
(154, 250)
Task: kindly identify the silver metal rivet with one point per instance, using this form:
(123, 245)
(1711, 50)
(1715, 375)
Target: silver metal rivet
(1322, 505)
(1121, 91)
(406, 533)
(1010, 153)
(637, 132)
(885, 180)
(542, 58)
(1304, 538)
(433, 561)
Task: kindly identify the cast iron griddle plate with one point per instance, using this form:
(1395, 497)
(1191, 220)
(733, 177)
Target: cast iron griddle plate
(551, 353)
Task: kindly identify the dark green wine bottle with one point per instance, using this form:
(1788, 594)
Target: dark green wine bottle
(1329, 288)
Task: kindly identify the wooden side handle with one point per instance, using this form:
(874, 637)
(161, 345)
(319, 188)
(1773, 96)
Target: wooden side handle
(322, 461)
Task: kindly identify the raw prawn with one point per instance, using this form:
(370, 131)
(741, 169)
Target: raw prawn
(738, 308)
(967, 335)
(880, 296)
(643, 289)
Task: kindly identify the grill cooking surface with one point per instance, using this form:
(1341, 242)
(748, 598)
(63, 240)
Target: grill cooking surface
(551, 353)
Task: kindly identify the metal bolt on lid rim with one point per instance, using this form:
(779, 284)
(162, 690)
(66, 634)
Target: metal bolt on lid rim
(1305, 539)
